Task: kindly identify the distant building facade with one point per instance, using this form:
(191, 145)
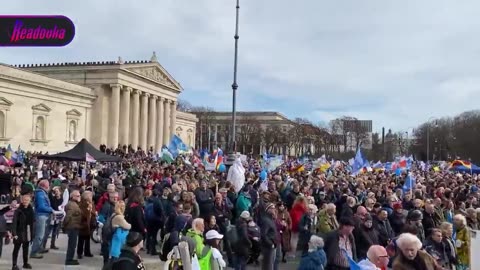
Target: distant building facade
(50, 107)
(256, 133)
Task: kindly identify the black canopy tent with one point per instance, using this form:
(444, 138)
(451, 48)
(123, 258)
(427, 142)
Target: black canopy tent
(79, 153)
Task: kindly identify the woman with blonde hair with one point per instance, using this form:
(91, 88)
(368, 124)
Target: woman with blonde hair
(447, 232)
(120, 229)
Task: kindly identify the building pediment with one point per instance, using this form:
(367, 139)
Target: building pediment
(74, 112)
(41, 107)
(157, 74)
(5, 102)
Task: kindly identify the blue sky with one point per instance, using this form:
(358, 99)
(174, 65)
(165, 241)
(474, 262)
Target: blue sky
(395, 62)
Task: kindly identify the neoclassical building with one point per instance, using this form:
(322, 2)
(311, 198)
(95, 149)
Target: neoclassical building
(50, 107)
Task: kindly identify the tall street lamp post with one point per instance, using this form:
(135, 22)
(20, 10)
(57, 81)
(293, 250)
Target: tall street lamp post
(233, 144)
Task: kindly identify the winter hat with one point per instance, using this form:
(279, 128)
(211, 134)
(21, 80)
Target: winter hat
(133, 239)
(245, 215)
(397, 205)
(415, 215)
(368, 217)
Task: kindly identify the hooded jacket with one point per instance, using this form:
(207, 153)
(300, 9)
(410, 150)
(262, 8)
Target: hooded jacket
(316, 260)
(42, 203)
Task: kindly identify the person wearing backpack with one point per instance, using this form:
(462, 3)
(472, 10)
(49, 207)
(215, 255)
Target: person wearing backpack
(129, 258)
(243, 244)
(211, 257)
(155, 218)
(120, 229)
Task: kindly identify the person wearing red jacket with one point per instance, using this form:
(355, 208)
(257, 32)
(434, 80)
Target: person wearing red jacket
(105, 197)
(299, 208)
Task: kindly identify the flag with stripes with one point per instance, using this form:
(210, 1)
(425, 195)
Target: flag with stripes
(89, 158)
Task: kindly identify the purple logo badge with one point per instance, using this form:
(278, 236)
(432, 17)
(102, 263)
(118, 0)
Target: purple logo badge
(42, 31)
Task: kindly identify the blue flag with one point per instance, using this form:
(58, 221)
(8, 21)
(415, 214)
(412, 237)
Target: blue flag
(353, 264)
(176, 145)
(409, 182)
(358, 162)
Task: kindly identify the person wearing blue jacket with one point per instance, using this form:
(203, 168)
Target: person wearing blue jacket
(43, 211)
(315, 259)
(121, 229)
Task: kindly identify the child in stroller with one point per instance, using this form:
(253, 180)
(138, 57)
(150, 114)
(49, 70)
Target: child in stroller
(254, 234)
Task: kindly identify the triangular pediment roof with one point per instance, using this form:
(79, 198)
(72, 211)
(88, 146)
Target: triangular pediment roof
(5, 102)
(41, 107)
(155, 72)
(74, 112)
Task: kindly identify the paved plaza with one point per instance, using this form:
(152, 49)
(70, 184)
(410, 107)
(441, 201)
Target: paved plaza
(54, 259)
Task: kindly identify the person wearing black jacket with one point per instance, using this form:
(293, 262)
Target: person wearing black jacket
(428, 220)
(205, 199)
(269, 240)
(292, 195)
(3, 226)
(134, 213)
(223, 216)
(22, 231)
(243, 245)
(336, 259)
(382, 225)
(129, 258)
(154, 223)
(170, 222)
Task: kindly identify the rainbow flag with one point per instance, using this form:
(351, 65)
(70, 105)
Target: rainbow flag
(459, 162)
(218, 158)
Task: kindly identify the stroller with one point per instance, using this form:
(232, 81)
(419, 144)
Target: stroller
(254, 234)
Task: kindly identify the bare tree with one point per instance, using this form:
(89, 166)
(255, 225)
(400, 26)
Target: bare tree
(449, 138)
(250, 135)
(206, 119)
(273, 136)
(184, 106)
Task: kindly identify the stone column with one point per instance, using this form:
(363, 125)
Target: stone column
(152, 114)
(166, 123)
(144, 121)
(160, 122)
(173, 118)
(114, 115)
(216, 136)
(135, 118)
(125, 116)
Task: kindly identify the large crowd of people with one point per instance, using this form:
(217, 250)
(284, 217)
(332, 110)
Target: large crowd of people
(196, 219)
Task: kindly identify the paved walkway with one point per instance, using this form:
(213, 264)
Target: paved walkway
(54, 259)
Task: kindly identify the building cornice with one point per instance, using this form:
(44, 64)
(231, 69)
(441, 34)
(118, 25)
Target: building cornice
(36, 80)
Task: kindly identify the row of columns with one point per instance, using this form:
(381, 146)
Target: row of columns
(149, 122)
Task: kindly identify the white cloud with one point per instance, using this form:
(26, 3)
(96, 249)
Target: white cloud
(395, 62)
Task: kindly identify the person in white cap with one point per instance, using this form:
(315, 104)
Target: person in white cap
(211, 258)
